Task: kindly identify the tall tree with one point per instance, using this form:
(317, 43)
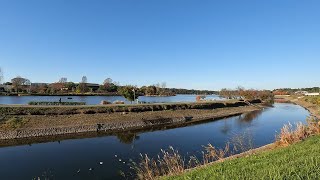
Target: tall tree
(107, 81)
(1, 76)
(63, 80)
(20, 82)
(84, 79)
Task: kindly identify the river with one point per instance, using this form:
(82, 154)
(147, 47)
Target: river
(72, 159)
(92, 100)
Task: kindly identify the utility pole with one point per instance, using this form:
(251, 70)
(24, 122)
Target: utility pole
(134, 95)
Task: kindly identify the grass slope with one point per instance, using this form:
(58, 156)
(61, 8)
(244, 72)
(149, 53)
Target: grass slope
(298, 161)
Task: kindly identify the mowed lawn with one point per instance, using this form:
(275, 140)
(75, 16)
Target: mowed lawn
(298, 161)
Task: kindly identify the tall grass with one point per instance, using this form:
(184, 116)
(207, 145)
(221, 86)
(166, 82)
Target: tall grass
(291, 134)
(171, 162)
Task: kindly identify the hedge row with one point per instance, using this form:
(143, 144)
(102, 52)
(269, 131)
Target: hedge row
(45, 103)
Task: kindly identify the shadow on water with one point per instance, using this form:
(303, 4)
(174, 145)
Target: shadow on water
(249, 117)
(127, 138)
(244, 119)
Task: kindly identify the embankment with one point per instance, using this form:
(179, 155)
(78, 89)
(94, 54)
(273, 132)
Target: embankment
(34, 121)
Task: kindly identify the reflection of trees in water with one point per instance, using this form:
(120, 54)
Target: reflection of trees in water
(246, 118)
(127, 138)
(226, 127)
(249, 117)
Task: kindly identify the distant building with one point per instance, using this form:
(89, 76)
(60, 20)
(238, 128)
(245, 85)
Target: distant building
(5, 88)
(312, 94)
(93, 86)
(39, 84)
(301, 92)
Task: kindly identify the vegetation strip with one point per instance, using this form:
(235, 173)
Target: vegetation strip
(70, 110)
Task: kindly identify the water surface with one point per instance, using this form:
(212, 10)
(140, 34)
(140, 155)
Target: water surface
(91, 100)
(62, 160)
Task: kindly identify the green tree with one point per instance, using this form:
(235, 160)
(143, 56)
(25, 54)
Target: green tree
(70, 85)
(128, 92)
(151, 91)
(82, 88)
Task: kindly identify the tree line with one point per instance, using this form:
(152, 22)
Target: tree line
(247, 94)
(108, 86)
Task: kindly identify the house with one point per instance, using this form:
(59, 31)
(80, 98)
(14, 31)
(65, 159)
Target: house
(301, 92)
(312, 94)
(39, 84)
(5, 88)
(93, 86)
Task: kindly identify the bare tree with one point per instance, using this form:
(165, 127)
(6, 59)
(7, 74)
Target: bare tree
(84, 79)
(107, 81)
(1, 76)
(163, 85)
(20, 82)
(63, 80)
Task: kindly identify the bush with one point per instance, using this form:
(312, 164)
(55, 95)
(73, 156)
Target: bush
(105, 102)
(118, 102)
(15, 122)
(314, 100)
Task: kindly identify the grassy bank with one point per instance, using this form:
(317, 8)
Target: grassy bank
(298, 161)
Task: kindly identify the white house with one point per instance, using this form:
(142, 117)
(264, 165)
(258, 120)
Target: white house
(301, 92)
(312, 94)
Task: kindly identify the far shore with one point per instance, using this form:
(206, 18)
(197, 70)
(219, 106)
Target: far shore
(71, 94)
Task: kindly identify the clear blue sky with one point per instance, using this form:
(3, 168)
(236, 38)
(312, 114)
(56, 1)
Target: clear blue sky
(207, 44)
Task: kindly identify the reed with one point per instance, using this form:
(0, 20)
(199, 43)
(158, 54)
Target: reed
(291, 134)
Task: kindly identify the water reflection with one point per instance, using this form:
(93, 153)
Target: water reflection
(226, 127)
(127, 138)
(249, 117)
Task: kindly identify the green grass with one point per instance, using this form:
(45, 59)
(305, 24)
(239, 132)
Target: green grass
(298, 161)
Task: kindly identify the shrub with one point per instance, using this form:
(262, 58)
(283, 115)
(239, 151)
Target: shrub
(15, 122)
(105, 102)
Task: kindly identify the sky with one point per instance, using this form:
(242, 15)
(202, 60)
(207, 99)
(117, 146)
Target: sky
(207, 44)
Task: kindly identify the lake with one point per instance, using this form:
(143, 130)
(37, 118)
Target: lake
(63, 159)
(92, 100)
